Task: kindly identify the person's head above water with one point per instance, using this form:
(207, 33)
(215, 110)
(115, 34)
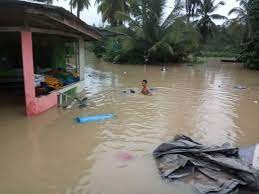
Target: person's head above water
(145, 89)
(144, 83)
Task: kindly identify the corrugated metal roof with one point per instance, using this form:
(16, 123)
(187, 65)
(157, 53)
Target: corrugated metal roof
(20, 14)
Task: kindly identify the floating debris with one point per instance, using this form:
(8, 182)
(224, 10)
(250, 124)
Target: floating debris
(81, 102)
(95, 118)
(124, 156)
(132, 91)
(240, 87)
(163, 69)
(70, 105)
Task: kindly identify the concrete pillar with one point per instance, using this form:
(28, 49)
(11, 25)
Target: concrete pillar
(28, 71)
(34, 105)
(82, 56)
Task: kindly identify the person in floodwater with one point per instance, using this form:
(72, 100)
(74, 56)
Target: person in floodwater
(145, 90)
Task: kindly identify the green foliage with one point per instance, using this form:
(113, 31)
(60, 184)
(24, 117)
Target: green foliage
(117, 50)
(241, 12)
(249, 56)
(176, 38)
(254, 20)
(250, 49)
(196, 60)
(190, 7)
(217, 54)
(97, 48)
(113, 50)
(49, 51)
(225, 42)
(230, 35)
(147, 36)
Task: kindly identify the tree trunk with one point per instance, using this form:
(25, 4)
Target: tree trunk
(188, 18)
(114, 22)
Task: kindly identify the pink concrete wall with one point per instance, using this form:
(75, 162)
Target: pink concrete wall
(34, 105)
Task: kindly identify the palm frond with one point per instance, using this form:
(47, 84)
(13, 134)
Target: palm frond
(109, 9)
(243, 3)
(165, 47)
(123, 16)
(236, 10)
(218, 17)
(175, 13)
(157, 7)
(215, 7)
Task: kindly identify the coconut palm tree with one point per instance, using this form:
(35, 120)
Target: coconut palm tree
(241, 12)
(190, 7)
(109, 8)
(79, 5)
(206, 13)
(158, 39)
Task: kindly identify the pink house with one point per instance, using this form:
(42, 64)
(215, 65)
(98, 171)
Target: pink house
(29, 19)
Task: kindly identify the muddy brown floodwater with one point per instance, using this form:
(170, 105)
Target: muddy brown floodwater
(51, 154)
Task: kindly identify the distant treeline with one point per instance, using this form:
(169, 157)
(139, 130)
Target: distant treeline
(189, 30)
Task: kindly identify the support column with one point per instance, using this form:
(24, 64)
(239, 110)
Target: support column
(34, 105)
(82, 59)
(28, 71)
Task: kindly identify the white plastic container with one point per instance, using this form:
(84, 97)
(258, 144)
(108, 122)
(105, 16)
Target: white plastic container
(251, 155)
(38, 79)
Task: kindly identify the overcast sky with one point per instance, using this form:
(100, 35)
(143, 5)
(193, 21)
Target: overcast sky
(91, 16)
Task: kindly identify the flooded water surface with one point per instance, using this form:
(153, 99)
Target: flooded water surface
(52, 154)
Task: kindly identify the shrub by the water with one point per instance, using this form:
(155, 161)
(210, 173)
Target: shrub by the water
(149, 37)
(250, 49)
